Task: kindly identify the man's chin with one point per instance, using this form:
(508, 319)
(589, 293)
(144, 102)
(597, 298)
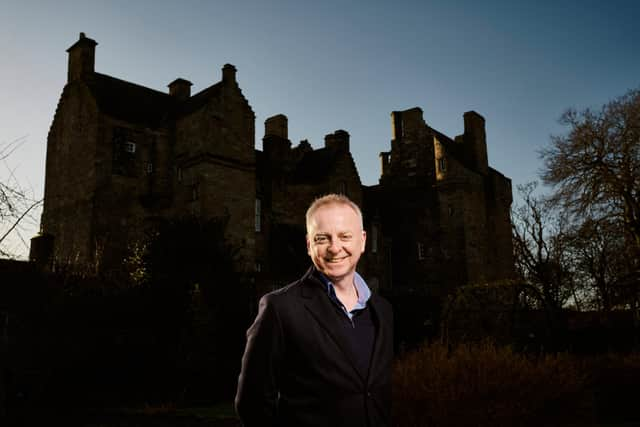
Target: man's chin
(336, 276)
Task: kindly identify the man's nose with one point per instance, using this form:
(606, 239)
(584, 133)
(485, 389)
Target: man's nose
(334, 246)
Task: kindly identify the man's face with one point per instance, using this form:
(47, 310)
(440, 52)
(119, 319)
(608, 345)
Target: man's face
(335, 240)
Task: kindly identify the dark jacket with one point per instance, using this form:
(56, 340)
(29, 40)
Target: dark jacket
(298, 369)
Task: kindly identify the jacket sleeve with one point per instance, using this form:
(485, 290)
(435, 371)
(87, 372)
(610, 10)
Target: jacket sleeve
(257, 395)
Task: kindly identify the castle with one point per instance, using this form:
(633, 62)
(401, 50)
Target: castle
(121, 156)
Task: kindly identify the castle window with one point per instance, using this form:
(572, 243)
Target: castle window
(420, 250)
(179, 174)
(258, 216)
(442, 164)
(149, 167)
(124, 152)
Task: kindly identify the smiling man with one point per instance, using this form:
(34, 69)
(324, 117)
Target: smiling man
(319, 352)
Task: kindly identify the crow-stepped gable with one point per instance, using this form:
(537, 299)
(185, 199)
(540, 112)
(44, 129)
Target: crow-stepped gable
(121, 157)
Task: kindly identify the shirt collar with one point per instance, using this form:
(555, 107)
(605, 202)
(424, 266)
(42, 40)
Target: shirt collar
(364, 293)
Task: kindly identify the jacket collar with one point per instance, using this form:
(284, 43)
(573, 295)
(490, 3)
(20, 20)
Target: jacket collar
(317, 302)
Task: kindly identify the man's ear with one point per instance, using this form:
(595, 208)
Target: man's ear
(308, 244)
(364, 240)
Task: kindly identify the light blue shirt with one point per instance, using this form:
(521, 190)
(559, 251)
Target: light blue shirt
(364, 293)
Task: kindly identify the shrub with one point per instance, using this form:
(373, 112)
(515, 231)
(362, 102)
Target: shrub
(486, 385)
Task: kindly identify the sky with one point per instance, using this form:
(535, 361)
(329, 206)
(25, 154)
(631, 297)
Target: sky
(330, 65)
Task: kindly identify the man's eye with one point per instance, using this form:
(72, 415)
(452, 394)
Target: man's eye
(321, 239)
(346, 237)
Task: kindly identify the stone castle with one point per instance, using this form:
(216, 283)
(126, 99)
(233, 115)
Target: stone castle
(121, 156)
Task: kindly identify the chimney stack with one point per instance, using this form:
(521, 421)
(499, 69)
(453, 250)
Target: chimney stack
(229, 74)
(339, 140)
(277, 126)
(276, 144)
(81, 58)
(180, 88)
(475, 141)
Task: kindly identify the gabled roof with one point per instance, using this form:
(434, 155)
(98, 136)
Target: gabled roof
(131, 102)
(142, 105)
(200, 99)
(315, 166)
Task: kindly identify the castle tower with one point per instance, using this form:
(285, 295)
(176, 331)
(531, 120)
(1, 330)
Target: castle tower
(410, 160)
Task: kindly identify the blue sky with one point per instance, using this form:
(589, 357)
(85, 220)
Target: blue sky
(333, 65)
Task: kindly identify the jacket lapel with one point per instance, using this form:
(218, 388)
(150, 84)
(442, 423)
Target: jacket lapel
(318, 304)
(382, 337)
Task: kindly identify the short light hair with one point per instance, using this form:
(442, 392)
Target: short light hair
(332, 199)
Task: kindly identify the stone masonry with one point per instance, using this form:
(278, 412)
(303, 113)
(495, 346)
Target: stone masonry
(121, 156)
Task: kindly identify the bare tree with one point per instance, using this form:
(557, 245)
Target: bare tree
(598, 249)
(540, 249)
(595, 168)
(16, 203)
(595, 172)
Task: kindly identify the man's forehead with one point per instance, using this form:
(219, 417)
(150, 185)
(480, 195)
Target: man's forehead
(336, 207)
(343, 221)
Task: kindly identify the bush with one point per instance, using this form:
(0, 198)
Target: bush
(486, 385)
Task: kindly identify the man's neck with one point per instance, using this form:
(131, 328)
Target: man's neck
(344, 284)
(346, 291)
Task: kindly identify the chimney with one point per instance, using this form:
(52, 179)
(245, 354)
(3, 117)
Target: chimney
(81, 58)
(475, 141)
(339, 140)
(275, 143)
(229, 74)
(180, 89)
(384, 162)
(276, 126)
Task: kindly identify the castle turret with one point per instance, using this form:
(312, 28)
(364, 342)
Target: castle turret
(81, 58)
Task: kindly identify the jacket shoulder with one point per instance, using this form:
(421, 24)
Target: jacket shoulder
(382, 303)
(284, 293)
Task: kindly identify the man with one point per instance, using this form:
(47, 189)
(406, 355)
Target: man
(319, 352)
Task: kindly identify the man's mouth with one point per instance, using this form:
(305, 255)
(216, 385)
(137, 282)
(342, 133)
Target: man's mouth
(336, 260)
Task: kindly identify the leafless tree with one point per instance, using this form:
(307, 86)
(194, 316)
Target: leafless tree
(16, 203)
(595, 168)
(595, 172)
(598, 249)
(540, 249)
